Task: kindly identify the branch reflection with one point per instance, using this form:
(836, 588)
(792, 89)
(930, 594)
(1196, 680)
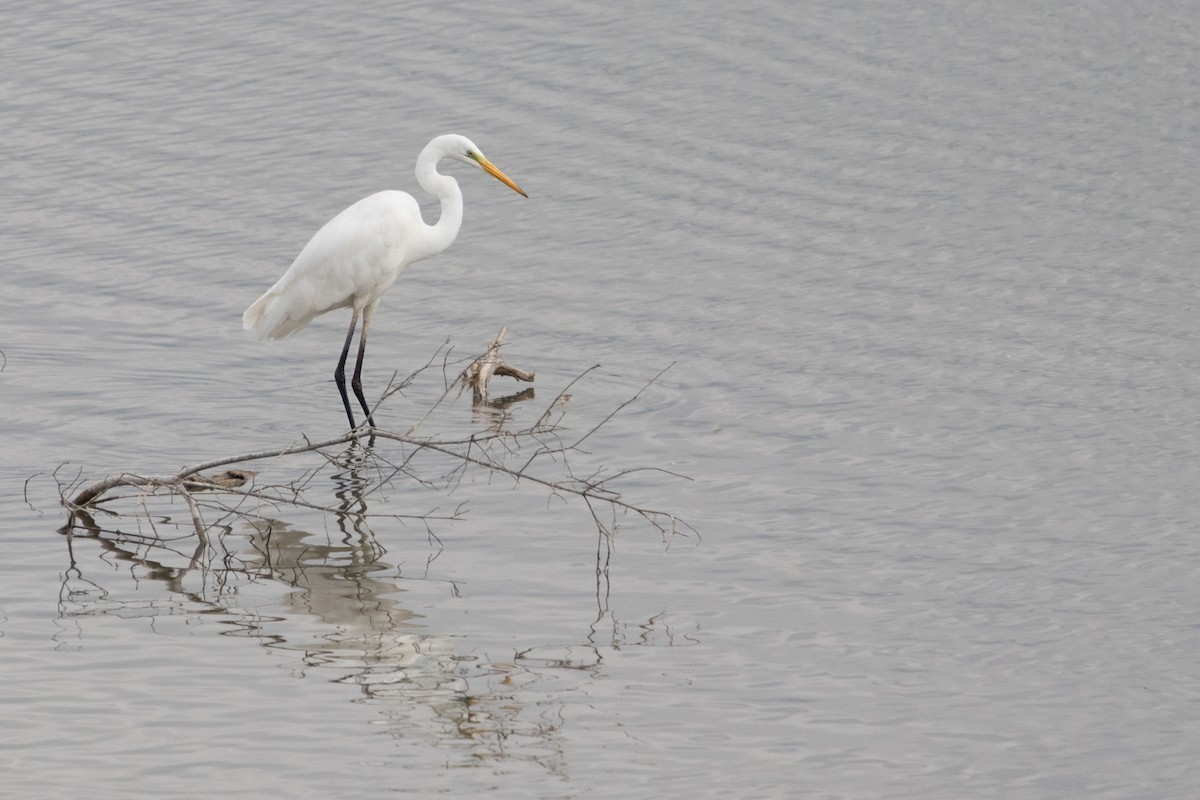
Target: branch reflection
(336, 605)
(327, 593)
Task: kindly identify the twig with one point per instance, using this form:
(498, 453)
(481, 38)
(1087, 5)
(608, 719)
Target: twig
(488, 450)
(491, 363)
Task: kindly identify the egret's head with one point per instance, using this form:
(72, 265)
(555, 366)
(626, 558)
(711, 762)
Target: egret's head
(463, 149)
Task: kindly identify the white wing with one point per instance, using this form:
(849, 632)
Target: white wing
(351, 261)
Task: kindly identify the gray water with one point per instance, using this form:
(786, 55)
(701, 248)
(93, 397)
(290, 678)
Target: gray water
(924, 275)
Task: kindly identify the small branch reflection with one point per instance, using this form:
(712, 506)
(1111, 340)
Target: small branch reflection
(334, 600)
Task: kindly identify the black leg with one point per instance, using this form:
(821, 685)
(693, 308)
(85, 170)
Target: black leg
(356, 381)
(339, 374)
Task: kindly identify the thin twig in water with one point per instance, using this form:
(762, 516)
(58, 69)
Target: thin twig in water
(370, 469)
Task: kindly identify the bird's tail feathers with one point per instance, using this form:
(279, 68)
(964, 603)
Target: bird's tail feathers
(268, 318)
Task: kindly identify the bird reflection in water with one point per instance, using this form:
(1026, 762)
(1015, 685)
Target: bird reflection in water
(335, 604)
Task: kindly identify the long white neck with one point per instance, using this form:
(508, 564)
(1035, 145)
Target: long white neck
(441, 234)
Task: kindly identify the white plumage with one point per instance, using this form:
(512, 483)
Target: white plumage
(356, 257)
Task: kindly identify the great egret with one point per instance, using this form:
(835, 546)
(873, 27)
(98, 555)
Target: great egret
(358, 255)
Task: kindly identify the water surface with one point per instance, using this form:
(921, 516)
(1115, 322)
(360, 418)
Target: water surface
(925, 276)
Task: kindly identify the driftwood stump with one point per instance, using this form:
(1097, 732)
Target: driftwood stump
(491, 363)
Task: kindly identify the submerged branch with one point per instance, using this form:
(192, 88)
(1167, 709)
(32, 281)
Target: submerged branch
(481, 370)
(488, 450)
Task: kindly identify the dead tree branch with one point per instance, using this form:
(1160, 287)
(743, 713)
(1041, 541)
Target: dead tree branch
(371, 468)
(491, 363)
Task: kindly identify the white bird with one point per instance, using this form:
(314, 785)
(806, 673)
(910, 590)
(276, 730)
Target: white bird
(353, 260)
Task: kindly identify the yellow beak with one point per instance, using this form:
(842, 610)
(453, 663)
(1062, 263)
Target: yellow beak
(494, 171)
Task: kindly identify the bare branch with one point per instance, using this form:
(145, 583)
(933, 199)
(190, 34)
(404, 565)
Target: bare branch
(491, 363)
(235, 492)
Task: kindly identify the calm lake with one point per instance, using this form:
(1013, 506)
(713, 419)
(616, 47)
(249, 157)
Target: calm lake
(923, 280)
